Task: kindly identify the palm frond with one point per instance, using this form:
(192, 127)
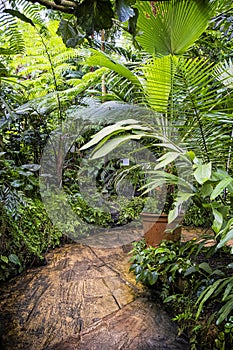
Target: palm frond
(100, 59)
(159, 74)
(201, 101)
(171, 27)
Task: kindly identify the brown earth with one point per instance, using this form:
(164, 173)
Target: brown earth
(84, 298)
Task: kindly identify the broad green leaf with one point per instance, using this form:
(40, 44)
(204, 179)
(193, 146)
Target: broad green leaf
(230, 188)
(166, 159)
(71, 36)
(190, 271)
(205, 267)
(228, 290)
(220, 187)
(153, 277)
(101, 59)
(223, 241)
(123, 10)
(112, 144)
(25, 173)
(206, 189)
(31, 167)
(181, 198)
(218, 220)
(14, 259)
(95, 15)
(107, 131)
(171, 27)
(225, 311)
(191, 155)
(203, 172)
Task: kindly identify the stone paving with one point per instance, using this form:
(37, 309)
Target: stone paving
(86, 299)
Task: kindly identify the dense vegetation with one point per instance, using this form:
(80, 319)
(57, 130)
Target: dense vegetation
(153, 70)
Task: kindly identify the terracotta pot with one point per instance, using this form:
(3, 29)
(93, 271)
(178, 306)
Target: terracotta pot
(154, 226)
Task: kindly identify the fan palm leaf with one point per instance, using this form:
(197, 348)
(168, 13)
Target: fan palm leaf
(188, 92)
(172, 27)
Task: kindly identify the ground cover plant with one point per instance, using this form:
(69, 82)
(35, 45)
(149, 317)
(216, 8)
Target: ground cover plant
(195, 284)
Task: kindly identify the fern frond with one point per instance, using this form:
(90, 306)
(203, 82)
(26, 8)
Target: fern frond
(10, 27)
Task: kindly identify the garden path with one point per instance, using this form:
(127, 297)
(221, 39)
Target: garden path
(85, 299)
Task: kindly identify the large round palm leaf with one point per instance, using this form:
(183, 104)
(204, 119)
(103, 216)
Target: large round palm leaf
(171, 27)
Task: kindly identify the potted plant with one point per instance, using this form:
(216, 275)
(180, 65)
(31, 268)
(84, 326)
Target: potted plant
(155, 217)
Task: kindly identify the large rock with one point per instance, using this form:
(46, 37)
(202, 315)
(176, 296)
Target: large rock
(84, 298)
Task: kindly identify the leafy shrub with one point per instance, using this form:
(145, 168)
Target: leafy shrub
(112, 214)
(25, 237)
(196, 282)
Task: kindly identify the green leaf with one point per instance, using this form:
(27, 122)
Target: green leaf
(71, 36)
(152, 277)
(220, 187)
(228, 290)
(181, 198)
(107, 131)
(203, 172)
(159, 74)
(4, 51)
(166, 159)
(3, 70)
(4, 258)
(170, 298)
(110, 145)
(218, 220)
(227, 238)
(19, 15)
(225, 311)
(190, 271)
(92, 15)
(171, 27)
(31, 167)
(206, 190)
(25, 173)
(205, 267)
(17, 183)
(101, 59)
(205, 295)
(14, 259)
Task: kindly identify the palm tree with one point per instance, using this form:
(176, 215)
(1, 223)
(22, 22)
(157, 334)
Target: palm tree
(190, 93)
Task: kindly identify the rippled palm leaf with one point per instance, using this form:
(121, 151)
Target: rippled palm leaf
(171, 27)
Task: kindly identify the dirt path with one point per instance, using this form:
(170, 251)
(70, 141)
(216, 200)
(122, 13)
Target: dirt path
(84, 298)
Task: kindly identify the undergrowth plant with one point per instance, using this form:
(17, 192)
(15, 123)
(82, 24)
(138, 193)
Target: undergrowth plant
(26, 235)
(195, 284)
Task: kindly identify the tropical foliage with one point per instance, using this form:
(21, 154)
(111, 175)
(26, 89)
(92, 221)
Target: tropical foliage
(164, 72)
